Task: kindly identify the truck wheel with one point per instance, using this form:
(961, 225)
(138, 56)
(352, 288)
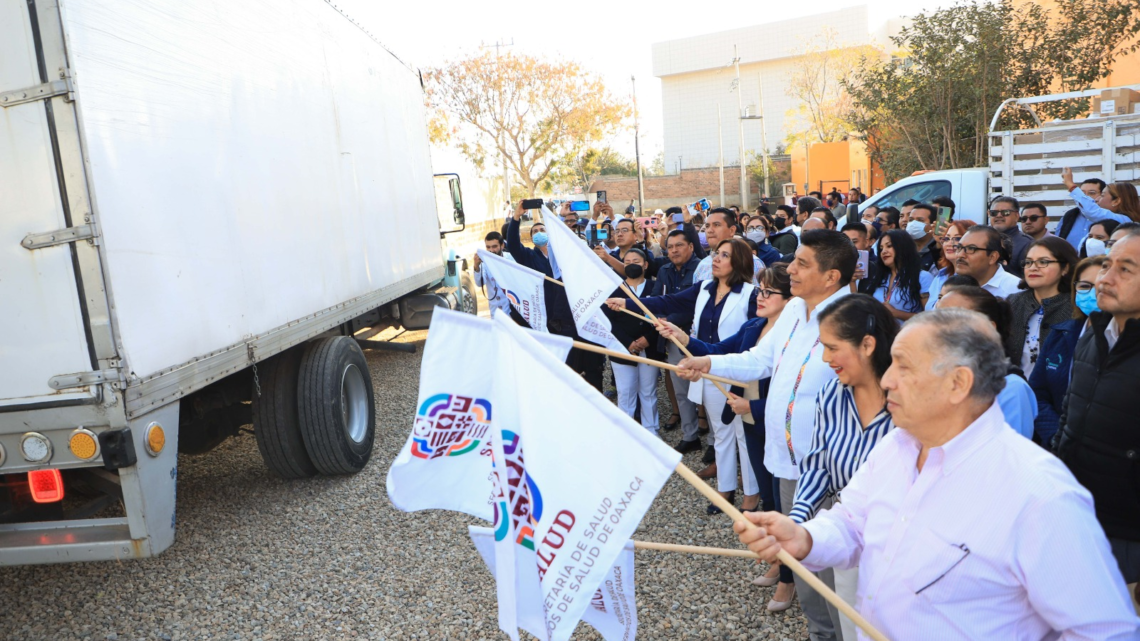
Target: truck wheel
(276, 424)
(338, 411)
(470, 302)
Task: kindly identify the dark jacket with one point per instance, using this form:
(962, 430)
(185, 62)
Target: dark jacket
(928, 256)
(627, 329)
(1058, 309)
(558, 316)
(741, 341)
(1100, 426)
(768, 254)
(1050, 377)
(784, 241)
(1021, 242)
(671, 280)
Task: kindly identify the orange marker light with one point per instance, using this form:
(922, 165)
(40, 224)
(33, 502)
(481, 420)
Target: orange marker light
(46, 485)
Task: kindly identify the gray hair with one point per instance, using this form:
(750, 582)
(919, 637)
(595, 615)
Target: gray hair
(965, 338)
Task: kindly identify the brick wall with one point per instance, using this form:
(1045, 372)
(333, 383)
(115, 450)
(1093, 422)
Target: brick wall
(678, 189)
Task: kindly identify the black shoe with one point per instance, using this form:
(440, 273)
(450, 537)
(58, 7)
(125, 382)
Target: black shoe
(712, 509)
(684, 447)
(710, 455)
(673, 424)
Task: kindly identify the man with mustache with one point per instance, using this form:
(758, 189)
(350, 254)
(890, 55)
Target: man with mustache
(980, 255)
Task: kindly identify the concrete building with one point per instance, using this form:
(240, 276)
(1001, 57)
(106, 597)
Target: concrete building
(696, 77)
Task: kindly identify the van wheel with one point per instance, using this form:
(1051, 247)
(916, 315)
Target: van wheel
(276, 424)
(470, 302)
(336, 404)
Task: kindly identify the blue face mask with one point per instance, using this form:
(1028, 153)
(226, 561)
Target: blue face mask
(704, 239)
(1086, 301)
(540, 239)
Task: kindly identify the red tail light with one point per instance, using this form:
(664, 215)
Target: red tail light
(46, 486)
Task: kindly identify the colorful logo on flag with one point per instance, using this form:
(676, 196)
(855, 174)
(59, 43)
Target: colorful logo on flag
(513, 298)
(450, 425)
(517, 514)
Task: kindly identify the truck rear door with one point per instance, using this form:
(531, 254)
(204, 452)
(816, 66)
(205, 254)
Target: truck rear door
(43, 326)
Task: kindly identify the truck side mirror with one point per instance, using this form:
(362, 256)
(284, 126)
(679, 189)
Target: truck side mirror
(457, 201)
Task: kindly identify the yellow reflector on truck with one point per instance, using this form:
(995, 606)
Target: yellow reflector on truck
(83, 444)
(155, 439)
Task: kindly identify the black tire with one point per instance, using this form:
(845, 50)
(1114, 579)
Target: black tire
(470, 301)
(276, 423)
(337, 406)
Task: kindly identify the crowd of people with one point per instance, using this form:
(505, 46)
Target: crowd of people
(1008, 355)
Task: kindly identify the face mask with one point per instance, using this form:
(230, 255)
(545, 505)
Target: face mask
(1086, 301)
(1094, 247)
(704, 239)
(756, 235)
(540, 239)
(634, 271)
(916, 229)
(877, 225)
(781, 223)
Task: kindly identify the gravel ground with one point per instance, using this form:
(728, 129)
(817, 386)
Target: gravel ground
(257, 557)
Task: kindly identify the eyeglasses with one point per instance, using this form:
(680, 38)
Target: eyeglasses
(1084, 286)
(767, 293)
(970, 250)
(1042, 263)
(1002, 213)
(1030, 219)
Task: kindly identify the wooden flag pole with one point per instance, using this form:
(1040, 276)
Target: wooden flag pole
(675, 340)
(695, 549)
(590, 347)
(785, 558)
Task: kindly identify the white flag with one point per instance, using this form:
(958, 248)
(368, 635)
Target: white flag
(446, 461)
(523, 286)
(572, 502)
(613, 608)
(589, 282)
(547, 216)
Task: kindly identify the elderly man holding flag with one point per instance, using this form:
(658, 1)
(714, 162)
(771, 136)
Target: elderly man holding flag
(961, 528)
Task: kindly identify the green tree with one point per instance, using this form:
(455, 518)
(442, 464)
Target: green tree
(591, 162)
(539, 114)
(656, 166)
(930, 105)
(778, 172)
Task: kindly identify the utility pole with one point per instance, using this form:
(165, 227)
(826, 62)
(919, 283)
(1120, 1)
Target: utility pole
(637, 148)
(502, 145)
(740, 123)
(720, 147)
(763, 134)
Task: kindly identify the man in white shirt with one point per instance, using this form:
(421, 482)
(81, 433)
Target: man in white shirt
(979, 255)
(791, 354)
(955, 521)
(496, 296)
(720, 225)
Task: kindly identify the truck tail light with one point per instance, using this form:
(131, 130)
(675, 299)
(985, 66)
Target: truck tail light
(46, 486)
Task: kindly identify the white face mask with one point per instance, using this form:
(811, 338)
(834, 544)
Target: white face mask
(916, 229)
(756, 235)
(1094, 247)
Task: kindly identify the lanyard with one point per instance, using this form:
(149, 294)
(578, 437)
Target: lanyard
(795, 388)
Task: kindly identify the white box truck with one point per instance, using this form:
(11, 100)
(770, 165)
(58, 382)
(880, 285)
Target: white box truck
(204, 208)
(1027, 163)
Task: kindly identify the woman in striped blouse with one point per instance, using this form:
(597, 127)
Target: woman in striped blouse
(850, 413)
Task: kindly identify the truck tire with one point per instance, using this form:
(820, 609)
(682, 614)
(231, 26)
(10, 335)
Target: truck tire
(276, 423)
(337, 407)
(470, 301)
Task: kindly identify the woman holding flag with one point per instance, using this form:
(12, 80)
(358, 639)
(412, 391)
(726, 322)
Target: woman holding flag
(636, 381)
(720, 306)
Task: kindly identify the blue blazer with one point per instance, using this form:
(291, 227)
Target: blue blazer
(741, 341)
(1050, 376)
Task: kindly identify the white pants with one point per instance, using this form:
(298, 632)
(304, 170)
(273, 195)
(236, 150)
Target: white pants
(729, 443)
(632, 382)
(846, 585)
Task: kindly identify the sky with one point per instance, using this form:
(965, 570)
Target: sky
(610, 37)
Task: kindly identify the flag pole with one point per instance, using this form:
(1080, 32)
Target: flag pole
(695, 549)
(590, 347)
(785, 558)
(675, 340)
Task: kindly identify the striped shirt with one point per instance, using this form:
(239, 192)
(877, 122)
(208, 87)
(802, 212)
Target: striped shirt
(839, 445)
